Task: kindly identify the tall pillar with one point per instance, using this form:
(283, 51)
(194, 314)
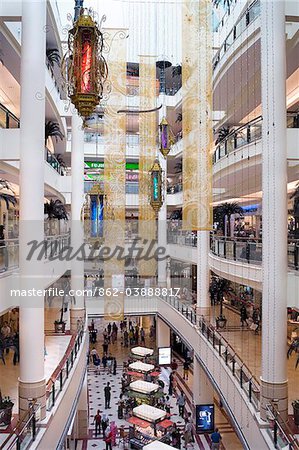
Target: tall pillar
(203, 273)
(202, 388)
(32, 383)
(274, 176)
(163, 334)
(77, 312)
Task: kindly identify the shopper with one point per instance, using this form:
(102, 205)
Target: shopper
(174, 365)
(114, 365)
(243, 315)
(181, 401)
(97, 421)
(107, 395)
(216, 440)
(104, 362)
(105, 423)
(256, 317)
(175, 437)
(142, 337)
(186, 369)
(108, 438)
(188, 433)
(126, 338)
(167, 404)
(170, 386)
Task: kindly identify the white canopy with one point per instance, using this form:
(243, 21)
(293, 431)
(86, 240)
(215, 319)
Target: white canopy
(157, 445)
(141, 367)
(149, 413)
(142, 351)
(144, 387)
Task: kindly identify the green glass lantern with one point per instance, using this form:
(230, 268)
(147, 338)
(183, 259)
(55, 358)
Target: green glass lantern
(156, 197)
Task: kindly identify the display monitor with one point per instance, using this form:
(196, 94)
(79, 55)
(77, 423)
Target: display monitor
(205, 418)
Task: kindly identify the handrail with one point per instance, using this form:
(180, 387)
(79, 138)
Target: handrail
(283, 427)
(61, 373)
(8, 115)
(222, 149)
(234, 34)
(245, 378)
(234, 248)
(25, 420)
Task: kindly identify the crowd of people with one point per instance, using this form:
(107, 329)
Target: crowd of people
(132, 334)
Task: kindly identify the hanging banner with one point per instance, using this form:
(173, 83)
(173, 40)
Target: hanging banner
(148, 150)
(115, 172)
(197, 114)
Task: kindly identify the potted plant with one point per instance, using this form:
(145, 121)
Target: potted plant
(52, 129)
(218, 287)
(295, 405)
(6, 406)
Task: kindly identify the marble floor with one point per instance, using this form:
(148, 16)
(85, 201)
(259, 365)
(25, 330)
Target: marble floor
(248, 346)
(55, 348)
(98, 380)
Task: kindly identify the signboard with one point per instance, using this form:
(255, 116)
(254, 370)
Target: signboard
(100, 165)
(205, 418)
(164, 356)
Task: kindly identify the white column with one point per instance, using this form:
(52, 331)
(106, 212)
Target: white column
(274, 175)
(162, 219)
(203, 272)
(202, 388)
(33, 54)
(162, 334)
(77, 230)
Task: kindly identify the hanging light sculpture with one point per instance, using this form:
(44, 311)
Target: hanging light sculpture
(84, 66)
(156, 182)
(165, 138)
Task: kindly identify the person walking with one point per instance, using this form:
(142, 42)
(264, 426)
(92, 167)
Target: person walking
(188, 433)
(114, 365)
(186, 370)
(181, 401)
(170, 386)
(256, 317)
(243, 315)
(142, 337)
(107, 395)
(105, 423)
(126, 338)
(216, 440)
(97, 422)
(108, 438)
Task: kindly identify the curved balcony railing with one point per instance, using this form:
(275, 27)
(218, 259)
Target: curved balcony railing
(277, 429)
(245, 250)
(175, 188)
(53, 161)
(250, 250)
(63, 371)
(246, 19)
(244, 135)
(9, 250)
(25, 431)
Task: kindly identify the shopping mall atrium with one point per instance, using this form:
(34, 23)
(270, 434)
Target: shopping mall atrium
(149, 224)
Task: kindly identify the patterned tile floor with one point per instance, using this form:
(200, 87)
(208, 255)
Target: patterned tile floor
(97, 382)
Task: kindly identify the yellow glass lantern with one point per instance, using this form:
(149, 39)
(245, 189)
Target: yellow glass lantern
(156, 184)
(84, 65)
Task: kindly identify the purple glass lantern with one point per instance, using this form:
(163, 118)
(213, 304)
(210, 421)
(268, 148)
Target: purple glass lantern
(164, 137)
